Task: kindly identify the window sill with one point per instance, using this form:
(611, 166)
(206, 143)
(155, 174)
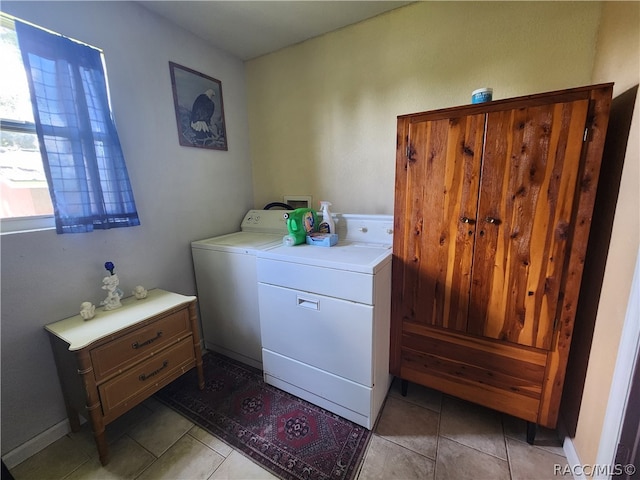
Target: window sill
(27, 224)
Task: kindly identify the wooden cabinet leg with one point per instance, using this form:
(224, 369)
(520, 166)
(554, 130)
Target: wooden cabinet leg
(93, 406)
(404, 386)
(101, 444)
(193, 319)
(74, 419)
(532, 428)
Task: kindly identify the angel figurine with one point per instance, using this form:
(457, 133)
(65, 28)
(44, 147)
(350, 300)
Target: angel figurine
(110, 284)
(87, 310)
(140, 292)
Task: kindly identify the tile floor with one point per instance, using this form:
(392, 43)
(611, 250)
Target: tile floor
(425, 435)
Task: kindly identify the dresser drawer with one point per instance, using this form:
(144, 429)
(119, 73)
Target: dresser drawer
(129, 349)
(124, 391)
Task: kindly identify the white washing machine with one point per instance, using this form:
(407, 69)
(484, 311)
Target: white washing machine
(225, 268)
(325, 318)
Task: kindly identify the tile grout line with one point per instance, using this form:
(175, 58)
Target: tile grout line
(506, 447)
(435, 461)
(155, 458)
(78, 467)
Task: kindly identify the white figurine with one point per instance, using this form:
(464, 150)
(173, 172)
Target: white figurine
(140, 292)
(87, 310)
(114, 294)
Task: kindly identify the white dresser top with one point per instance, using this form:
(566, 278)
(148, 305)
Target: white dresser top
(79, 333)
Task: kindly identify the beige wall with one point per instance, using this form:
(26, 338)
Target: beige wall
(617, 59)
(322, 114)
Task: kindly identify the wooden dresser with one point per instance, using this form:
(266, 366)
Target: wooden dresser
(111, 363)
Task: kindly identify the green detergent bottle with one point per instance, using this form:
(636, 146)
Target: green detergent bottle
(300, 223)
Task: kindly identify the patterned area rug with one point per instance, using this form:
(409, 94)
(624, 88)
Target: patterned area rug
(290, 437)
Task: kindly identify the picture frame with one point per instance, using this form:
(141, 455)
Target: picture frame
(199, 108)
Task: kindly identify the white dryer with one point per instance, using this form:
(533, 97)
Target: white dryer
(226, 279)
(325, 313)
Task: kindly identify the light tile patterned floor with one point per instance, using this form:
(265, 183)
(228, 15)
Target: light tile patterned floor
(425, 436)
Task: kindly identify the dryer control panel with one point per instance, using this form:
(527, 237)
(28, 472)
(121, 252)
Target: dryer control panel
(366, 229)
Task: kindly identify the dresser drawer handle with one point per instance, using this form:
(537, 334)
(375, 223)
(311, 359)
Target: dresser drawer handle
(137, 345)
(145, 376)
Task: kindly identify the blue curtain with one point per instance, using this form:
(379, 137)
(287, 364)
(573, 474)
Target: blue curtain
(81, 152)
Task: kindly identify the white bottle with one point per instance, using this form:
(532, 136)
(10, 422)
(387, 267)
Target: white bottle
(327, 225)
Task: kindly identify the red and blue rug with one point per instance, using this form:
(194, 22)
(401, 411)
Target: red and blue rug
(290, 437)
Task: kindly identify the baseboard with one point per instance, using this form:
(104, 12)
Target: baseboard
(234, 355)
(36, 444)
(573, 460)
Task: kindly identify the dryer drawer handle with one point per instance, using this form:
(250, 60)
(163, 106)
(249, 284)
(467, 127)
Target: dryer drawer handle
(308, 303)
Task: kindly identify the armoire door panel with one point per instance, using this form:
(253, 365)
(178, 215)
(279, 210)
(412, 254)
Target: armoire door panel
(525, 209)
(441, 182)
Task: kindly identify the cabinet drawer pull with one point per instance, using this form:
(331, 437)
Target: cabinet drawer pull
(495, 221)
(137, 345)
(145, 376)
(308, 303)
(468, 220)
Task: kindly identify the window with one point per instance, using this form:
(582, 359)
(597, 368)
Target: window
(23, 185)
(82, 161)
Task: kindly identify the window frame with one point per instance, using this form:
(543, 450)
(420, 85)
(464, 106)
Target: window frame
(32, 222)
(84, 164)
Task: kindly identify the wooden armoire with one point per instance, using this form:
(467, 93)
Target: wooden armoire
(493, 205)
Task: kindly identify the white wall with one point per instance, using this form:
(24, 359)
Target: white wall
(322, 114)
(182, 194)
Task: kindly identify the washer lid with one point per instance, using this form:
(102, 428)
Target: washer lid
(240, 241)
(268, 221)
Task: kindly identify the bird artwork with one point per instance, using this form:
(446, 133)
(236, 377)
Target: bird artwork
(199, 108)
(201, 113)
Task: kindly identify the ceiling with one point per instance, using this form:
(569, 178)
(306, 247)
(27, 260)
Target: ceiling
(248, 29)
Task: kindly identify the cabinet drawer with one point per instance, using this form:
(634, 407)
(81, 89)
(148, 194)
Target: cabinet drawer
(124, 391)
(505, 377)
(129, 349)
(327, 333)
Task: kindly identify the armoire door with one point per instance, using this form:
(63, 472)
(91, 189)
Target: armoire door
(440, 189)
(525, 211)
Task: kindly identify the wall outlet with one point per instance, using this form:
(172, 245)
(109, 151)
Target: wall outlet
(298, 201)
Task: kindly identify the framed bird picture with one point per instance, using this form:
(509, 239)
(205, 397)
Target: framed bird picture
(199, 108)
